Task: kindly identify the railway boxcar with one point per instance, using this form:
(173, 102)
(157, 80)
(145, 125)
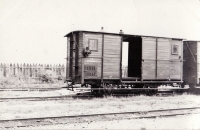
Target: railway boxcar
(96, 58)
(191, 65)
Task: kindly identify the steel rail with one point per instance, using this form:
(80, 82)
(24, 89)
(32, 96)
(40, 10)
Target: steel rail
(79, 88)
(30, 89)
(50, 97)
(89, 94)
(102, 114)
(132, 88)
(12, 123)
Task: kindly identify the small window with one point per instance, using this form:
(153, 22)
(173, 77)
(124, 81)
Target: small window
(93, 44)
(175, 49)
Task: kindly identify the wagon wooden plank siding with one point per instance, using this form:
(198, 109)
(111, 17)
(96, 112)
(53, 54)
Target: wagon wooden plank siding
(163, 58)
(198, 62)
(112, 51)
(96, 58)
(149, 58)
(80, 45)
(176, 59)
(158, 60)
(68, 57)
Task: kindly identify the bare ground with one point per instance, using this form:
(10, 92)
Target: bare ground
(14, 109)
(178, 122)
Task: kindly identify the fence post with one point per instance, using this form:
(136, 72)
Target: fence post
(7, 70)
(59, 69)
(20, 70)
(27, 70)
(14, 70)
(10, 70)
(43, 67)
(47, 66)
(63, 70)
(36, 70)
(31, 70)
(17, 70)
(24, 70)
(50, 67)
(1, 70)
(54, 70)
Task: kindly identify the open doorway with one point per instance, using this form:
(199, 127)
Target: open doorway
(125, 59)
(133, 46)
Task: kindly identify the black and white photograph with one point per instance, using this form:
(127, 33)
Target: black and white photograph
(100, 64)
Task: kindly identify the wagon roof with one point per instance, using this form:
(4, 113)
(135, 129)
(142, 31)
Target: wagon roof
(101, 32)
(191, 40)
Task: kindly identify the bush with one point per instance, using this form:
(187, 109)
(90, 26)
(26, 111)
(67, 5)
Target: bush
(43, 78)
(46, 76)
(9, 81)
(4, 81)
(60, 77)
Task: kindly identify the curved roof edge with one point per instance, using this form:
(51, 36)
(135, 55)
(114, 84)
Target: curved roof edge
(101, 32)
(191, 40)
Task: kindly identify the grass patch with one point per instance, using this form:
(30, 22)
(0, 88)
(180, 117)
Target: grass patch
(27, 82)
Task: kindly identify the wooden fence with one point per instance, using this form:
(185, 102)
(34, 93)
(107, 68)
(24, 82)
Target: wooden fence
(34, 70)
(31, 70)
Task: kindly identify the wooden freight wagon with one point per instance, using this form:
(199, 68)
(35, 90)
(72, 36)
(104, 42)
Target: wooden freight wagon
(96, 57)
(191, 64)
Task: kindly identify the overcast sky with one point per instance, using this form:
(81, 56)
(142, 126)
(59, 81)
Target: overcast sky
(32, 31)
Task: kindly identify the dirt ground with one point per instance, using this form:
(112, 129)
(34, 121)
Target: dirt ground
(16, 94)
(13, 109)
(178, 122)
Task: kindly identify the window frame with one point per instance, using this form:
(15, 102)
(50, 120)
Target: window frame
(177, 48)
(96, 50)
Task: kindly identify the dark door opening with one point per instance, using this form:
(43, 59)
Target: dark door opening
(134, 56)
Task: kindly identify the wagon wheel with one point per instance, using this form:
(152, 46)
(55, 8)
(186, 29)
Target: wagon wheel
(94, 89)
(109, 90)
(147, 92)
(154, 91)
(145, 89)
(123, 85)
(97, 90)
(174, 92)
(70, 84)
(150, 92)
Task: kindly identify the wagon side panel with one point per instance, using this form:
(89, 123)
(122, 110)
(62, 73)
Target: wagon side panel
(79, 64)
(148, 58)
(163, 58)
(68, 58)
(72, 56)
(176, 59)
(91, 68)
(198, 62)
(111, 57)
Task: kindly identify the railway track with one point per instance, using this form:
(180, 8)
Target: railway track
(86, 94)
(26, 122)
(32, 89)
(81, 96)
(49, 97)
